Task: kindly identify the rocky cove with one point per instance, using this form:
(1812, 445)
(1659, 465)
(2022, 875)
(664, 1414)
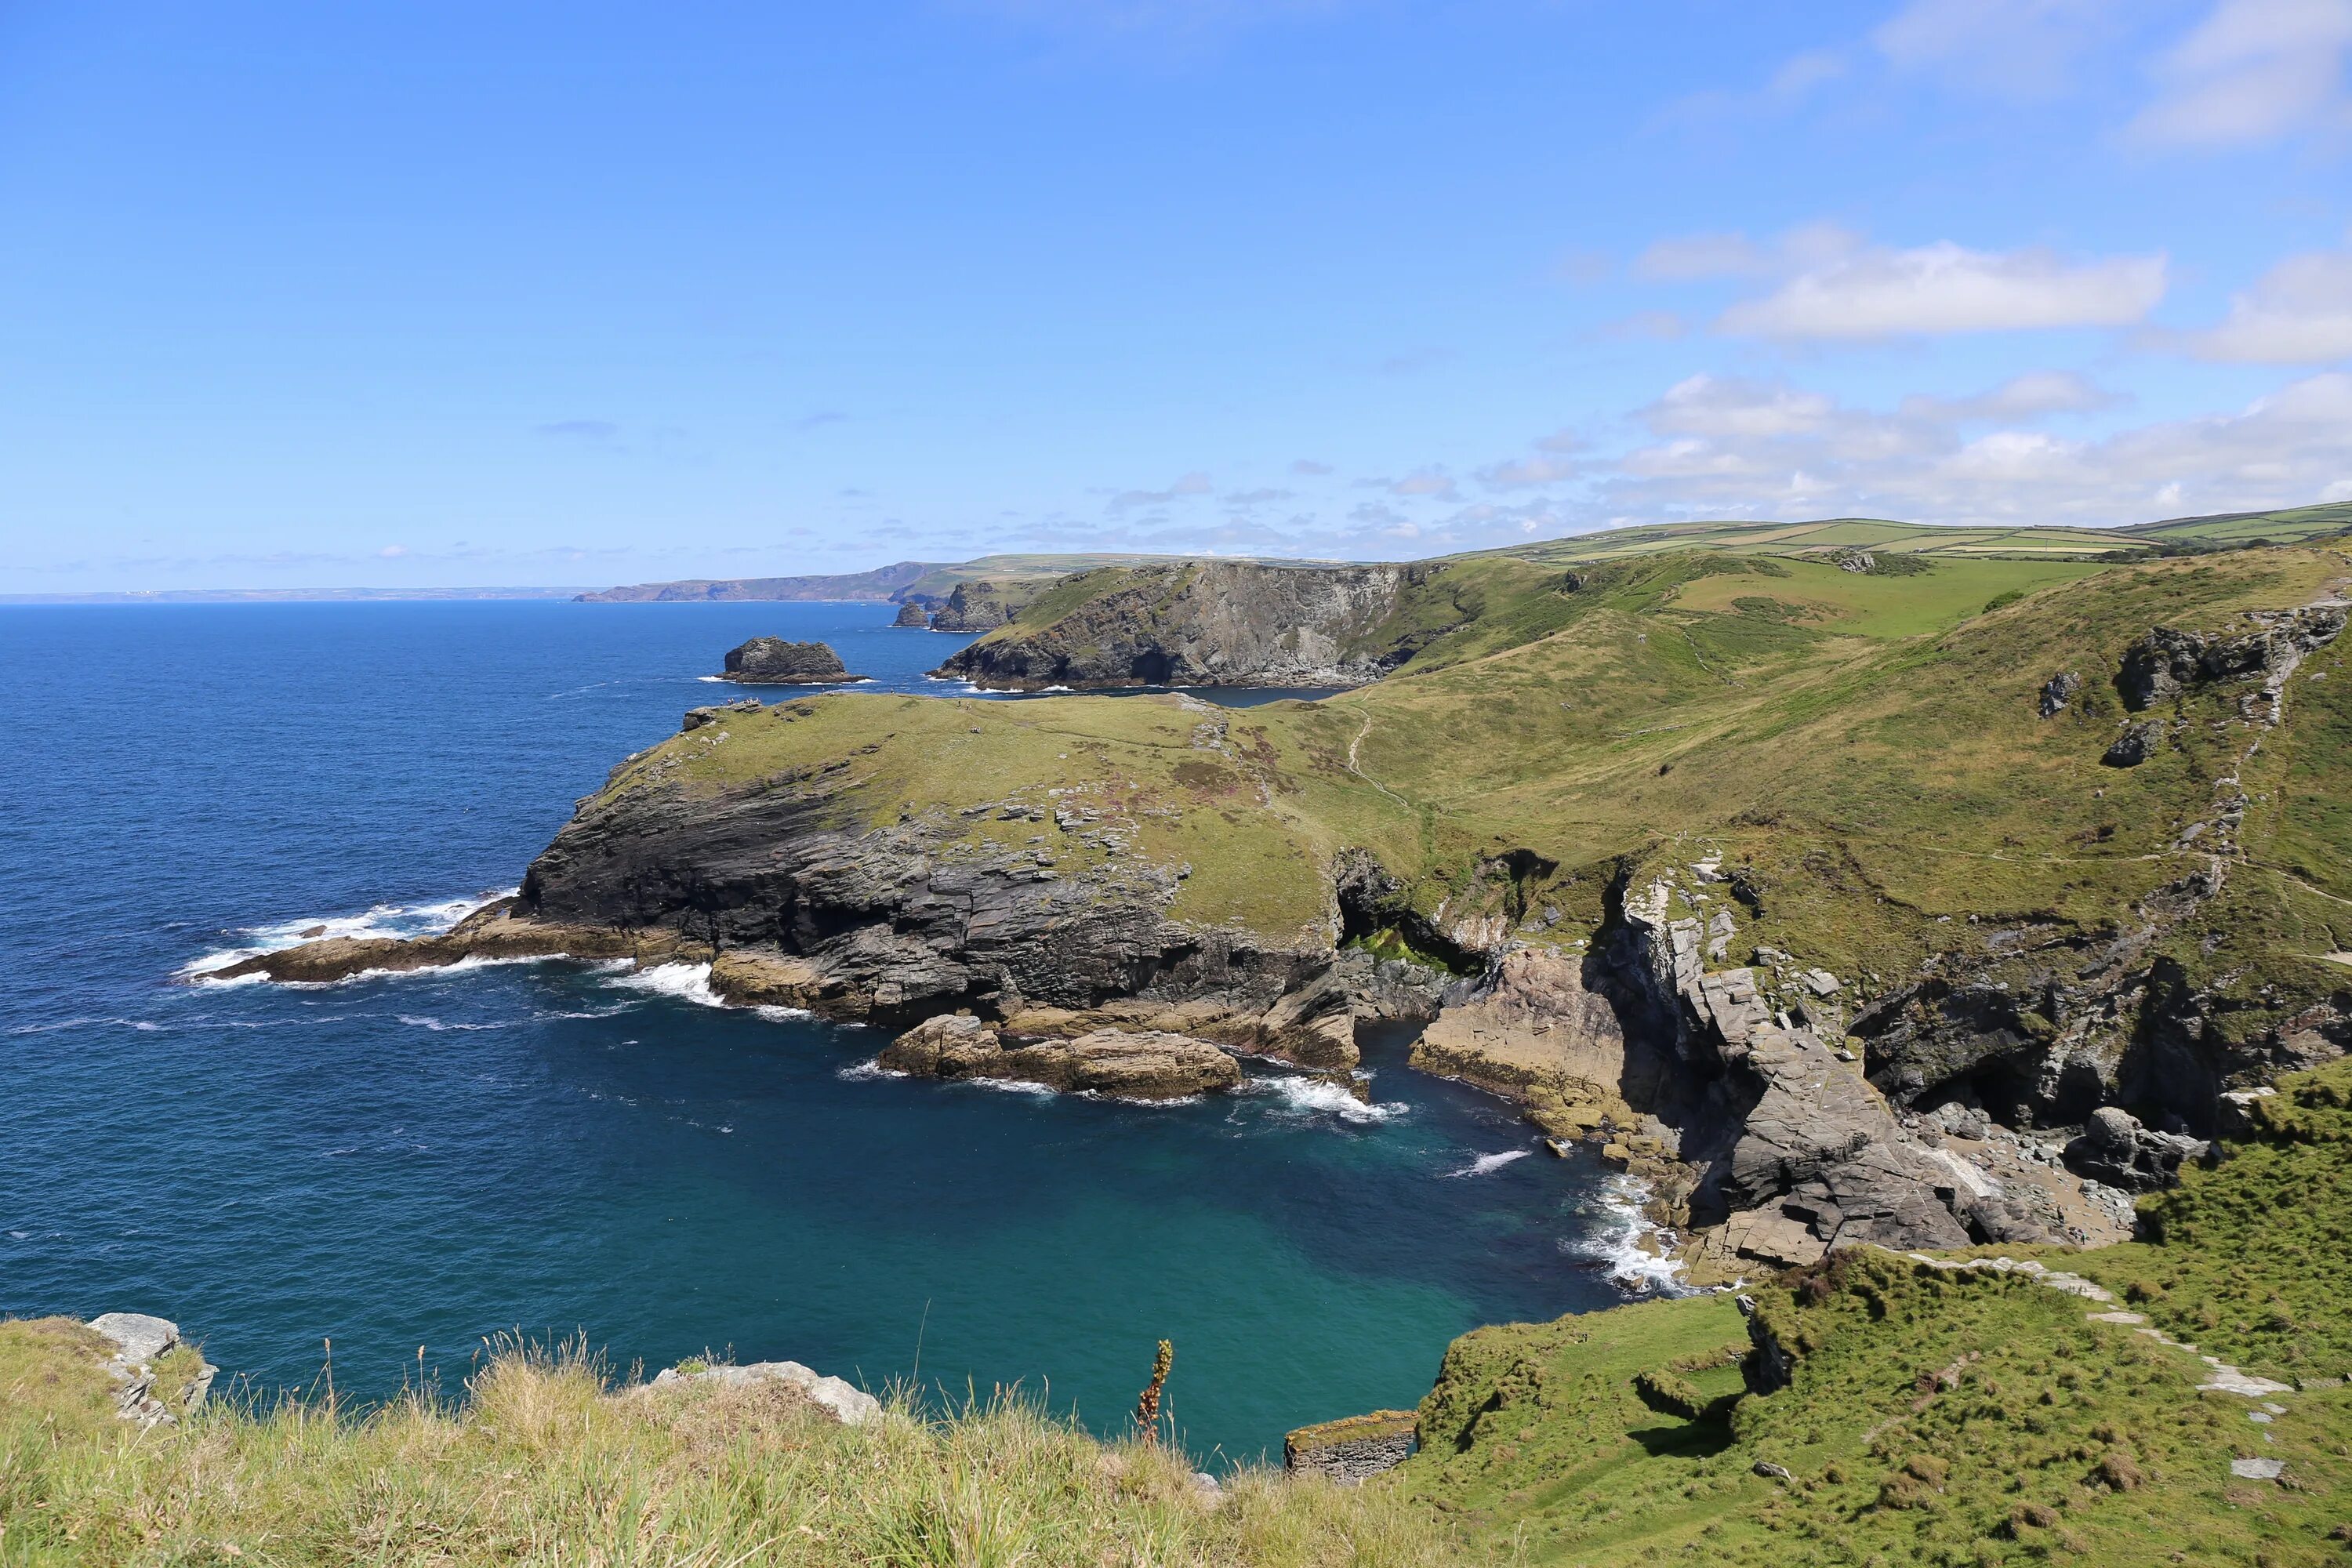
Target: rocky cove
(1777, 1107)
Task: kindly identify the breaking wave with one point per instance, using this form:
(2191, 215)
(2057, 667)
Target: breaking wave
(1484, 1163)
(1617, 1241)
(1314, 1097)
(687, 982)
(424, 918)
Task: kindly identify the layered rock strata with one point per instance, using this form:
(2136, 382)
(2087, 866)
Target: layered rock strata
(1148, 1065)
(1207, 623)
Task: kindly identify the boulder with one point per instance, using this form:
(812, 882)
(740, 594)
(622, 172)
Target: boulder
(140, 1342)
(1146, 1065)
(774, 661)
(2116, 1150)
(2059, 690)
(2135, 745)
(850, 1406)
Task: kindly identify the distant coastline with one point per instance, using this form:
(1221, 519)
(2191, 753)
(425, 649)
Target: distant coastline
(290, 596)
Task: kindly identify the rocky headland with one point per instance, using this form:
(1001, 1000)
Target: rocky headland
(1817, 988)
(774, 661)
(1206, 623)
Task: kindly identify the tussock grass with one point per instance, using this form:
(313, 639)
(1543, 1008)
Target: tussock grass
(542, 1463)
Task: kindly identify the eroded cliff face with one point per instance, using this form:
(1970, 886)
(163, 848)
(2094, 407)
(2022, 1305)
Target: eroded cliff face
(1204, 622)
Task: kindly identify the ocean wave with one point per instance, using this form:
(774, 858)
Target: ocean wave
(437, 1026)
(687, 982)
(1617, 1241)
(1487, 1162)
(1314, 1097)
(141, 1024)
(870, 1067)
(426, 919)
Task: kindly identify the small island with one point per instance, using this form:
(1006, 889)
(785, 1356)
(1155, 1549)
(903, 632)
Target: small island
(772, 661)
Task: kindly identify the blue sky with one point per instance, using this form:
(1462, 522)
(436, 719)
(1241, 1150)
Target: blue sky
(425, 293)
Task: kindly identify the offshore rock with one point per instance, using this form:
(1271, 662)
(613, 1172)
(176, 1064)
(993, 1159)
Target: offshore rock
(1147, 1066)
(774, 661)
(498, 931)
(911, 614)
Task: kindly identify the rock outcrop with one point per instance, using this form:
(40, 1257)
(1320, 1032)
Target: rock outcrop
(142, 1343)
(1152, 1065)
(981, 606)
(1349, 1450)
(850, 1405)
(912, 614)
(2115, 1149)
(1209, 623)
(775, 662)
(2167, 662)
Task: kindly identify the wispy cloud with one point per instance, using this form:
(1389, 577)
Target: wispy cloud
(2253, 71)
(1946, 287)
(2299, 312)
(1189, 485)
(2019, 49)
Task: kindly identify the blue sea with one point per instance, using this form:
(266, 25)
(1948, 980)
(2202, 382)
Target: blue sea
(411, 1165)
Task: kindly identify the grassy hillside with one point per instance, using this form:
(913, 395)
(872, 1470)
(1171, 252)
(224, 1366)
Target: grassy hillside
(539, 1462)
(1939, 1415)
(1867, 746)
(2292, 525)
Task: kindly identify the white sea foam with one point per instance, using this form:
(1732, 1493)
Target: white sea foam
(713, 679)
(1314, 1097)
(781, 1014)
(424, 918)
(687, 982)
(437, 1026)
(1484, 1163)
(871, 1067)
(1617, 1241)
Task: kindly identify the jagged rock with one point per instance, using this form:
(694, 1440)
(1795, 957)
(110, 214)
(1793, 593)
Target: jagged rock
(2135, 745)
(849, 1406)
(774, 661)
(1211, 622)
(1531, 1030)
(2167, 662)
(980, 608)
(2059, 690)
(699, 717)
(1154, 1064)
(499, 929)
(140, 1342)
(911, 614)
(2116, 1150)
(1855, 561)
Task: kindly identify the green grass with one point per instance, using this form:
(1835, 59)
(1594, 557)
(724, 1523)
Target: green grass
(1866, 747)
(1940, 1416)
(539, 1463)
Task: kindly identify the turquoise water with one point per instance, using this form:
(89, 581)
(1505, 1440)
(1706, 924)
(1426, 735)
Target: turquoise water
(560, 1149)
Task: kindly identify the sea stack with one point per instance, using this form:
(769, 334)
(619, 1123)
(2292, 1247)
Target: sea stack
(911, 614)
(775, 662)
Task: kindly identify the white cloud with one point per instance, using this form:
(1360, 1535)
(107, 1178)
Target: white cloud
(1427, 483)
(2299, 312)
(1775, 451)
(2013, 48)
(1946, 287)
(2253, 71)
(1686, 258)
(1189, 485)
(2027, 396)
(1523, 473)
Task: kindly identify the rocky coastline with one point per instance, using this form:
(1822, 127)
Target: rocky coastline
(1774, 1107)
